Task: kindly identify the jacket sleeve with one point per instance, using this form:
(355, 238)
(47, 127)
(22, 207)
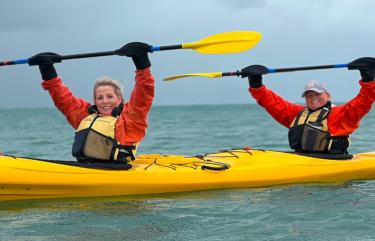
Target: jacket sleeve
(345, 119)
(132, 124)
(281, 110)
(74, 109)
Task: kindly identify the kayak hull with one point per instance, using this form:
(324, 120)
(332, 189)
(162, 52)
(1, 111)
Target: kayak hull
(24, 178)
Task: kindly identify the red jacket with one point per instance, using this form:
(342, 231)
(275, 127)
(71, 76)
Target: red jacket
(342, 120)
(131, 124)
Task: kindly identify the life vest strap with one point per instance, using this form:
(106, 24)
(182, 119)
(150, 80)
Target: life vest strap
(125, 151)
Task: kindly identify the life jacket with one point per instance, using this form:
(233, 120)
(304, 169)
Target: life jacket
(95, 139)
(309, 132)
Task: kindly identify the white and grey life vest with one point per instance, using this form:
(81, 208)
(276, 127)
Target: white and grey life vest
(309, 132)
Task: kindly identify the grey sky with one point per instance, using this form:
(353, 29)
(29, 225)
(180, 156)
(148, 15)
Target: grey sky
(295, 33)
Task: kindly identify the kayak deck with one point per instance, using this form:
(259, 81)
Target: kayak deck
(25, 178)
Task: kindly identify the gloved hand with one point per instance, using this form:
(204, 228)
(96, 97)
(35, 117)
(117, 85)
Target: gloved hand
(254, 74)
(45, 61)
(366, 66)
(138, 52)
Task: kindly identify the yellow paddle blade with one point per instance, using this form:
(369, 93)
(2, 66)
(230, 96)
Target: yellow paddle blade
(209, 75)
(225, 43)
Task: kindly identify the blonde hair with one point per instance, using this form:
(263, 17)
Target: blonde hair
(117, 86)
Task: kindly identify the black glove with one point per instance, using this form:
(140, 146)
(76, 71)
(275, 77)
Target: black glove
(366, 66)
(138, 52)
(45, 62)
(254, 74)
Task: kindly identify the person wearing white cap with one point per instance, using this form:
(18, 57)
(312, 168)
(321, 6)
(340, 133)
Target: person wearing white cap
(319, 126)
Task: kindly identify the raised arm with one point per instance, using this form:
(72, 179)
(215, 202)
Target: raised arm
(74, 109)
(281, 110)
(132, 125)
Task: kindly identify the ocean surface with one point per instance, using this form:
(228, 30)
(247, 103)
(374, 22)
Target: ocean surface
(294, 212)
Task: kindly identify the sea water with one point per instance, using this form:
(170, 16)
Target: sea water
(294, 212)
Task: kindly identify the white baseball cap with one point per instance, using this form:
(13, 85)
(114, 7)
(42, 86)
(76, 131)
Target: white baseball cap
(315, 86)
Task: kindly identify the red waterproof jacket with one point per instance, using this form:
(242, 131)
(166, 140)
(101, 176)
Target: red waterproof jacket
(131, 124)
(342, 120)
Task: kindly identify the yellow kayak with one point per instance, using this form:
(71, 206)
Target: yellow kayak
(26, 178)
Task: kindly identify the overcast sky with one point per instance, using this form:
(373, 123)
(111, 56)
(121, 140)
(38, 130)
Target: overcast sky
(295, 33)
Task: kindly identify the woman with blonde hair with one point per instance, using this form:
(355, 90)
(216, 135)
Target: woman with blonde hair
(111, 128)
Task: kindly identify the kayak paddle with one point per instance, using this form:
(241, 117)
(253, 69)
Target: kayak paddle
(221, 43)
(238, 72)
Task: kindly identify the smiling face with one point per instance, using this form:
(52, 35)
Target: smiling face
(315, 100)
(106, 99)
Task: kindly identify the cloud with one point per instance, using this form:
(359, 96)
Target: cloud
(295, 33)
(242, 5)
